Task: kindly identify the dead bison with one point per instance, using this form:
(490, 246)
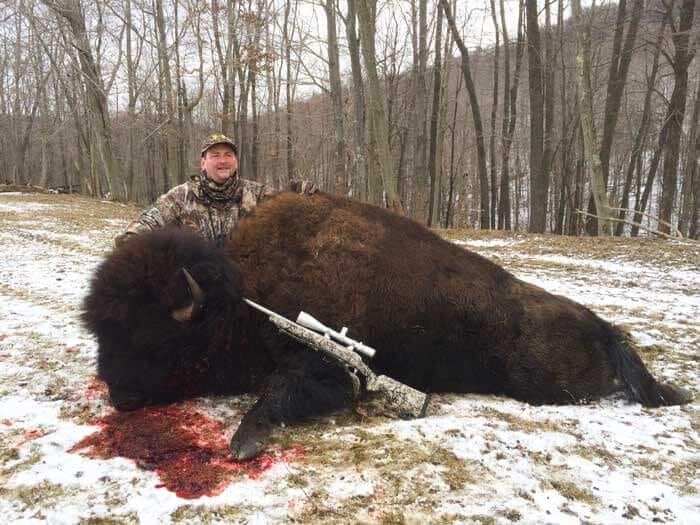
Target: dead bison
(441, 318)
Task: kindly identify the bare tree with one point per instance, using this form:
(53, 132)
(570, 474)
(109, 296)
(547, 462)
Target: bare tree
(96, 98)
(494, 110)
(417, 129)
(476, 115)
(359, 156)
(433, 170)
(225, 56)
(641, 137)
(167, 107)
(336, 94)
(289, 91)
(539, 181)
(510, 96)
(684, 53)
(617, 76)
(585, 105)
(691, 173)
(379, 132)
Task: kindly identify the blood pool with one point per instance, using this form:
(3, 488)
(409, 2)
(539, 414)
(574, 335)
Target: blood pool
(184, 447)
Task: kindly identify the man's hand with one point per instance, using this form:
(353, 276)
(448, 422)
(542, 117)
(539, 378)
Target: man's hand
(303, 187)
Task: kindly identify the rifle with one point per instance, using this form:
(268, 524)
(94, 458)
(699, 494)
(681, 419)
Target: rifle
(309, 331)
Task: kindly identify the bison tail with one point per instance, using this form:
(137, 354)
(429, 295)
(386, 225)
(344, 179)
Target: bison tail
(638, 382)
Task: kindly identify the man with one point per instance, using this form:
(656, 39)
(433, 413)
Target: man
(210, 203)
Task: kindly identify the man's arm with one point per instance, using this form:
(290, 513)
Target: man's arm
(165, 211)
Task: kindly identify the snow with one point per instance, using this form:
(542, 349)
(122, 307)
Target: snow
(487, 243)
(474, 459)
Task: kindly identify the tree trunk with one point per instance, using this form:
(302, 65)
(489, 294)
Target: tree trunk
(434, 118)
(336, 94)
(691, 176)
(420, 104)
(548, 78)
(224, 53)
(617, 77)
(568, 135)
(377, 116)
(510, 97)
(676, 113)
(288, 90)
(476, 115)
(359, 154)
(131, 103)
(166, 130)
(453, 175)
(539, 182)
(494, 110)
(651, 174)
(585, 104)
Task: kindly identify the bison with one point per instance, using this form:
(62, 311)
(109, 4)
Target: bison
(442, 319)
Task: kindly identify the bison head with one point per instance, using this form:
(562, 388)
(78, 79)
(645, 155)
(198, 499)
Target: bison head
(164, 307)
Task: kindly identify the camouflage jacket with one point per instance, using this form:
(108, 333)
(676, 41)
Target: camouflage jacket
(186, 205)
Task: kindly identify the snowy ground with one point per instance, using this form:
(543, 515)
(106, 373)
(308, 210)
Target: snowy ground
(481, 460)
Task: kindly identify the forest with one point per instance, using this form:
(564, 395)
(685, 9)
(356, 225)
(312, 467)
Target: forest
(563, 117)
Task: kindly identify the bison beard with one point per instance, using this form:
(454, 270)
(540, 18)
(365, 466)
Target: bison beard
(442, 319)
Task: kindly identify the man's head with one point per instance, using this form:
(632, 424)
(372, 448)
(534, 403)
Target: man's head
(219, 158)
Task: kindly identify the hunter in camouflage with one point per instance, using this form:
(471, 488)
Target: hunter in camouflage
(210, 203)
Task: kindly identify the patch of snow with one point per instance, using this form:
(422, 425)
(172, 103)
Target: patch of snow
(488, 243)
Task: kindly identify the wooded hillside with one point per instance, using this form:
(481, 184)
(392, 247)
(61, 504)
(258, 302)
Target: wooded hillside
(510, 115)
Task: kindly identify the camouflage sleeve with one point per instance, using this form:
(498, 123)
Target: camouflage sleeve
(165, 211)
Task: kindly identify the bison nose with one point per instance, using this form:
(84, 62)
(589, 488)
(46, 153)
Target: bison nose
(124, 401)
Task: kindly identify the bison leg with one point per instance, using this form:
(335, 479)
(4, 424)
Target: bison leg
(307, 386)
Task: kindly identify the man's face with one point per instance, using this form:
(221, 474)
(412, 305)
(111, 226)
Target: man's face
(220, 163)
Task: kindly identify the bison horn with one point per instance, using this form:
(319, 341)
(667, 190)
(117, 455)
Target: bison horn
(192, 310)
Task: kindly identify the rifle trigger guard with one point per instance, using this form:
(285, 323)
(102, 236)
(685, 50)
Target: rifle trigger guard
(356, 383)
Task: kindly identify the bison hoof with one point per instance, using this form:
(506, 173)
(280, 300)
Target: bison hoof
(125, 401)
(250, 438)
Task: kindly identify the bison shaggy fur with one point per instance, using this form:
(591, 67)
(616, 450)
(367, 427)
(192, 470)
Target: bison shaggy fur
(442, 319)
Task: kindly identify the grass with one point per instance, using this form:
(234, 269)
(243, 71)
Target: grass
(204, 514)
(683, 473)
(574, 492)
(43, 495)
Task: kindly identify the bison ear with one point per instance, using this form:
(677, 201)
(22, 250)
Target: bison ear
(194, 309)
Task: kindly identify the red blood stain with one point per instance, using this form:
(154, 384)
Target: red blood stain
(185, 448)
(96, 389)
